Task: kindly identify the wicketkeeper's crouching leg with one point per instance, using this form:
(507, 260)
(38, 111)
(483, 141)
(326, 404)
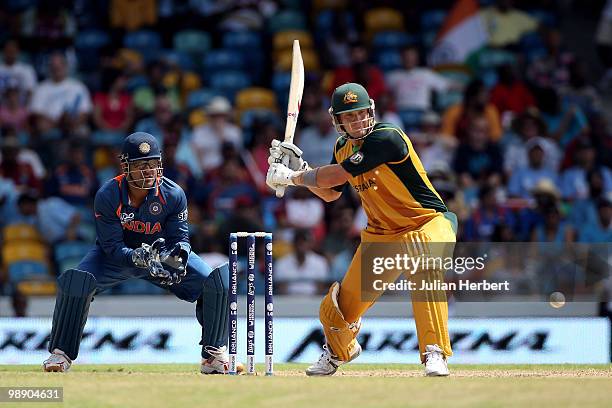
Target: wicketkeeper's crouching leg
(75, 291)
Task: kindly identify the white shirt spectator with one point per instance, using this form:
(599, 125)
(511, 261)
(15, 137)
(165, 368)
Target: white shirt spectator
(301, 279)
(207, 143)
(20, 74)
(412, 88)
(52, 99)
(305, 213)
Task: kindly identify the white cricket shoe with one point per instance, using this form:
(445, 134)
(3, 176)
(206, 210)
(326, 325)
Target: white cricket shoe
(435, 362)
(327, 364)
(218, 362)
(58, 361)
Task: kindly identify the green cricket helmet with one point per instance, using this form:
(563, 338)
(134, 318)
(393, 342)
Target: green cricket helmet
(352, 97)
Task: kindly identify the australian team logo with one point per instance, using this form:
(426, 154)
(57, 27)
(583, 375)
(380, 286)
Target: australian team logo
(356, 158)
(144, 148)
(155, 208)
(350, 97)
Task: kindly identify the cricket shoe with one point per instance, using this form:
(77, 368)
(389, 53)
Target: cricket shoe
(58, 361)
(218, 362)
(435, 362)
(328, 364)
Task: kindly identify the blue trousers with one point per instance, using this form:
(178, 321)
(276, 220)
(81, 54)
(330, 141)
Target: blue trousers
(109, 274)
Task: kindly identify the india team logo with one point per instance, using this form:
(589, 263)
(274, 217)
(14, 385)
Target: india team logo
(155, 208)
(144, 148)
(350, 97)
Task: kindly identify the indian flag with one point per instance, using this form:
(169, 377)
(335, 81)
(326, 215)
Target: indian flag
(462, 33)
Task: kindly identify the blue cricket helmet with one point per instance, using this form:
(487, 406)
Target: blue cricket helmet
(141, 146)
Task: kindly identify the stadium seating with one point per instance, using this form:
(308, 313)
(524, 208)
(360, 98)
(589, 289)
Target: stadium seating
(142, 40)
(193, 42)
(284, 60)
(253, 98)
(411, 118)
(228, 83)
(241, 40)
(27, 270)
(283, 40)
(389, 60)
(216, 61)
(393, 40)
(432, 20)
(20, 233)
(37, 287)
(319, 5)
(87, 46)
(107, 138)
(16, 251)
(383, 19)
(286, 20)
(199, 98)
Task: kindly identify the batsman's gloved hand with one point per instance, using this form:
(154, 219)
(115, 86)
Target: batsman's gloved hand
(288, 154)
(148, 256)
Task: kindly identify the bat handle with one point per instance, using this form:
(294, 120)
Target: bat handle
(280, 190)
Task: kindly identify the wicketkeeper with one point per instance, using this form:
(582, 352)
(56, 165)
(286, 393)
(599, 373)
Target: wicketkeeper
(142, 232)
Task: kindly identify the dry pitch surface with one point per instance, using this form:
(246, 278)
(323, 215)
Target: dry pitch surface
(356, 386)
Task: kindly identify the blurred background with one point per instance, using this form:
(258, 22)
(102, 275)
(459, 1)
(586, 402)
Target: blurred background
(506, 102)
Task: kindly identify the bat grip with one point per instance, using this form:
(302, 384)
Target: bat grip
(280, 190)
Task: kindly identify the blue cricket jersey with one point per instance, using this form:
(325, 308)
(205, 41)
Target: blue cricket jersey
(121, 228)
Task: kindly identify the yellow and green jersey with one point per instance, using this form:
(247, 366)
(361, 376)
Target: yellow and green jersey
(390, 180)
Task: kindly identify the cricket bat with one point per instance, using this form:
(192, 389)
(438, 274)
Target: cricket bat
(296, 89)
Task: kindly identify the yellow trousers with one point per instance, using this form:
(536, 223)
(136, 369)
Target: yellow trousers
(431, 317)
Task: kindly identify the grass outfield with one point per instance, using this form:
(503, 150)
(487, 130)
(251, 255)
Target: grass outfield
(356, 385)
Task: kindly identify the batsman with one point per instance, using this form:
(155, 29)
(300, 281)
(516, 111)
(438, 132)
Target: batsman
(142, 233)
(402, 207)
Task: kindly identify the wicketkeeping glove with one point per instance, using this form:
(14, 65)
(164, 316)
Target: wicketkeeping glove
(150, 257)
(175, 258)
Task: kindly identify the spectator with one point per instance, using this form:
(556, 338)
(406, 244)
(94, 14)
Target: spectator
(302, 272)
(113, 109)
(583, 210)
(340, 234)
(483, 221)
(385, 111)
(574, 183)
(337, 49)
(564, 122)
(16, 73)
(505, 24)
(48, 26)
(14, 166)
(146, 95)
(477, 159)
(302, 210)
(552, 228)
(360, 71)
(13, 113)
(551, 70)
(578, 92)
(600, 229)
(475, 103)
(432, 146)
(529, 126)
(412, 86)
(55, 219)
(74, 181)
(318, 141)
(229, 184)
(603, 39)
(161, 123)
(208, 138)
(245, 216)
(177, 172)
(59, 100)
(510, 94)
(524, 179)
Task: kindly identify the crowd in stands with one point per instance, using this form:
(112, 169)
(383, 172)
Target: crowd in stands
(516, 140)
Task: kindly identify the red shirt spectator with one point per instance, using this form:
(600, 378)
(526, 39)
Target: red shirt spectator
(20, 172)
(510, 94)
(113, 109)
(361, 72)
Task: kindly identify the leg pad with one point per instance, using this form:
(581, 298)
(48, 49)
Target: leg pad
(75, 290)
(212, 309)
(339, 334)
